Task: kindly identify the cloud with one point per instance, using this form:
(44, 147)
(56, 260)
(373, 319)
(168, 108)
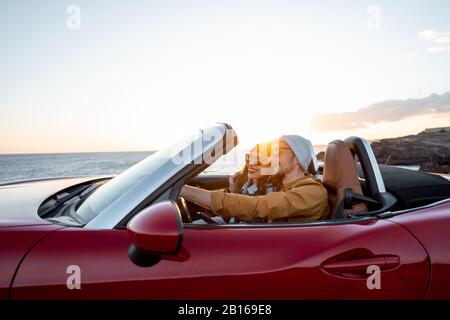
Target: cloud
(389, 110)
(434, 36)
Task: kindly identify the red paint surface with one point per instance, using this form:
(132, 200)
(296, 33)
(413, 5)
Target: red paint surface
(316, 262)
(156, 228)
(432, 228)
(256, 263)
(14, 244)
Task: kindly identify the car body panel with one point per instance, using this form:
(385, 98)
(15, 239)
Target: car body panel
(431, 226)
(15, 242)
(19, 202)
(227, 263)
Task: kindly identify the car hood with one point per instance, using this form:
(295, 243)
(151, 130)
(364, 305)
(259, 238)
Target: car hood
(19, 201)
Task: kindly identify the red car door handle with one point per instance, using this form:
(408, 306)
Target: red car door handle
(361, 265)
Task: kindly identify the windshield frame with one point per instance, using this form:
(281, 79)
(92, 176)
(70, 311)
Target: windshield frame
(151, 186)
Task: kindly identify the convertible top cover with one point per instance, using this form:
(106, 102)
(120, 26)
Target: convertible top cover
(413, 188)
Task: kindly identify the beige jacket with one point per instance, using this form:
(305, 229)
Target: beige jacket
(301, 200)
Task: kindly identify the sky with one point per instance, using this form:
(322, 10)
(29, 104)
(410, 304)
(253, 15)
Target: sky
(83, 76)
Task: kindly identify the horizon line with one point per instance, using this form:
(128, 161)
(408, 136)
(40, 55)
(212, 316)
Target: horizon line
(122, 151)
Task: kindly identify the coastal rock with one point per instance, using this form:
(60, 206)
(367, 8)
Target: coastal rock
(430, 149)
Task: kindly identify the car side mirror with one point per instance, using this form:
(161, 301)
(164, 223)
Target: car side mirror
(155, 231)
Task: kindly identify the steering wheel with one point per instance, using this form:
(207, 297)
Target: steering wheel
(206, 218)
(185, 214)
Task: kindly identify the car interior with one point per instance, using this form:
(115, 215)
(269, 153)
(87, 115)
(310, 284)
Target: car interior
(357, 186)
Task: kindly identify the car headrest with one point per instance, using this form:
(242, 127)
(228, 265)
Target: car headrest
(339, 174)
(373, 180)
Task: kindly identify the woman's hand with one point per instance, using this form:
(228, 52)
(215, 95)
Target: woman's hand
(254, 171)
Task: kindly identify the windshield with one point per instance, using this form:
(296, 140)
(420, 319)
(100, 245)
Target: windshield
(115, 199)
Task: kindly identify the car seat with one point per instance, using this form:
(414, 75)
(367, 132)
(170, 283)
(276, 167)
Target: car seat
(341, 181)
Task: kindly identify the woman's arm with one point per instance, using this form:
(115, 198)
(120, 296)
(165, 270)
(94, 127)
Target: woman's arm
(198, 196)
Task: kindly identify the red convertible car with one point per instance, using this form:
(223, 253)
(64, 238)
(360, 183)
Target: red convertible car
(132, 237)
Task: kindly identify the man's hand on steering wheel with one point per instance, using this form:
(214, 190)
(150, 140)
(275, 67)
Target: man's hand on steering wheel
(184, 210)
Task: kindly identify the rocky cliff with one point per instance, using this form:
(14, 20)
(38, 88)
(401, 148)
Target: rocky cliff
(430, 149)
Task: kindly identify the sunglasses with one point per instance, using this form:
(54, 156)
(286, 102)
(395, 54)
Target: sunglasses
(268, 152)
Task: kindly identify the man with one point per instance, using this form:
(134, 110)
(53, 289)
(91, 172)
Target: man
(301, 198)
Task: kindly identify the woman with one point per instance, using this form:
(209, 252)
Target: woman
(251, 180)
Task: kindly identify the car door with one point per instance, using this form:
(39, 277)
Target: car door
(325, 261)
(430, 225)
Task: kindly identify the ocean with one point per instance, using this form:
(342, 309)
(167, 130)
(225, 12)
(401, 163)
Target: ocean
(33, 166)
(15, 167)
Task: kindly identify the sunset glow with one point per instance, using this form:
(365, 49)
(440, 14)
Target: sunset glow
(138, 77)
